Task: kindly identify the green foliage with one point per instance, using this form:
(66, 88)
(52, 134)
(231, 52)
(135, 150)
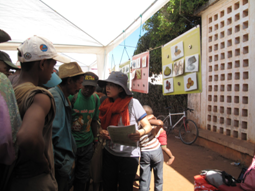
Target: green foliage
(158, 102)
(166, 24)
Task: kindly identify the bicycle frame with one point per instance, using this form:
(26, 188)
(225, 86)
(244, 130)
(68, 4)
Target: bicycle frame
(171, 114)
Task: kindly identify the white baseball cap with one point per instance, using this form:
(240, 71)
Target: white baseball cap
(38, 48)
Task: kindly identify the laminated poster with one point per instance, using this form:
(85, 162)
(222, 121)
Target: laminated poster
(177, 51)
(190, 82)
(191, 64)
(168, 85)
(119, 134)
(178, 68)
(167, 71)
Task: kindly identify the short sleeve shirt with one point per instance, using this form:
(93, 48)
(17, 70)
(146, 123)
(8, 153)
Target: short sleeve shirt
(83, 113)
(136, 113)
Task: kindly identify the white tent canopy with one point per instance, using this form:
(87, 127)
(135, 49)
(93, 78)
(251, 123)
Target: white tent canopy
(76, 27)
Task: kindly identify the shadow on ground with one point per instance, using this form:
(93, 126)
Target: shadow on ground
(189, 161)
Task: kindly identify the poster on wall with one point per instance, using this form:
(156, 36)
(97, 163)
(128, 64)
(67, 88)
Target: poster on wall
(144, 61)
(141, 73)
(167, 71)
(177, 51)
(168, 85)
(178, 67)
(134, 64)
(125, 69)
(190, 82)
(191, 63)
(138, 63)
(181, 58)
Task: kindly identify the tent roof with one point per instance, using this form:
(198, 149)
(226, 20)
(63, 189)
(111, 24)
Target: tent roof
(77, 26)
(76, 22)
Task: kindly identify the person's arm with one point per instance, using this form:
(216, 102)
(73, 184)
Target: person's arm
(30, 136)
(146, 128)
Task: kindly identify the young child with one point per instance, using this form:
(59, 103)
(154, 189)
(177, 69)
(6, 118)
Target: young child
(160, 134)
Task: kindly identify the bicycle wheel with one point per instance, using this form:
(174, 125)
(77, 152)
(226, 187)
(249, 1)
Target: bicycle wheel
(166, 122)
(188, 132)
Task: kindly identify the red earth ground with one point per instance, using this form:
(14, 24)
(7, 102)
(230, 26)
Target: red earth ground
(189, 161)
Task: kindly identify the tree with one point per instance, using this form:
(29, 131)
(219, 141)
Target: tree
(166, 24)
(175, 18)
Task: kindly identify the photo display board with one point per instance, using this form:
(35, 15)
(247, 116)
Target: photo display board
(140, 72)
(125, 68)
(181, 64)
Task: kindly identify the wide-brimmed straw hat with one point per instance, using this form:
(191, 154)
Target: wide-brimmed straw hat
(117, 78)
(70, 70)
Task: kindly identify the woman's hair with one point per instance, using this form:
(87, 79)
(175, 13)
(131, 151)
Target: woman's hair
(65, 80)
(99, 89)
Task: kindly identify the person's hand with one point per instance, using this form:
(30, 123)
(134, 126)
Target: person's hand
(170, 161)
(135, 136)
(149, 117)
(104, 134)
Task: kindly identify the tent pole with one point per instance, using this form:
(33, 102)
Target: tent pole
(104, 68)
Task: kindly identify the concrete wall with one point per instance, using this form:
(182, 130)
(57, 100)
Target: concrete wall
(227, 104)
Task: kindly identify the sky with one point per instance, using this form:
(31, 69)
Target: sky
(131, 43)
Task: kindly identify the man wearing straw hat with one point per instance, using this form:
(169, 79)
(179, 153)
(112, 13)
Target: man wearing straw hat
(34, 167)
(63, 142)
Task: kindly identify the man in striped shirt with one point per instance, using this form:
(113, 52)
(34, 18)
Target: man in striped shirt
(151, 155)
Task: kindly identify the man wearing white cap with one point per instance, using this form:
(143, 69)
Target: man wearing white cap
(34, 168)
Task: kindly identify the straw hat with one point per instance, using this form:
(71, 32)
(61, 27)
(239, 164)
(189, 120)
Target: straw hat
(118, 78)
(70, 70)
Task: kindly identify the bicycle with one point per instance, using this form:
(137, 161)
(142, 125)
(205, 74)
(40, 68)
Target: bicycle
(188, 130)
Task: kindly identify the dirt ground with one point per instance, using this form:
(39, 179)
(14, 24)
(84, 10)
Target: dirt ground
(189, 161)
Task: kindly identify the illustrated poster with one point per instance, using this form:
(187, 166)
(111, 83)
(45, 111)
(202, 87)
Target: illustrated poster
(191, 63)
(177, 51)
(140, 81)
(183, 53)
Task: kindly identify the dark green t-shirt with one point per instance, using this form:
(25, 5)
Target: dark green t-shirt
(83, 112)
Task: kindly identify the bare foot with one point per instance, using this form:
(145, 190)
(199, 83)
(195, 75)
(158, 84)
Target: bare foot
(169, 162)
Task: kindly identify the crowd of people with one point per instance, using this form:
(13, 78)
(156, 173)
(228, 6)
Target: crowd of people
(50, 125)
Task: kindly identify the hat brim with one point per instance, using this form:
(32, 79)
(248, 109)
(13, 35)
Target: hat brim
(11, 65)
(61, 59)
(102, 83)
(89, 83)
(73, 75)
